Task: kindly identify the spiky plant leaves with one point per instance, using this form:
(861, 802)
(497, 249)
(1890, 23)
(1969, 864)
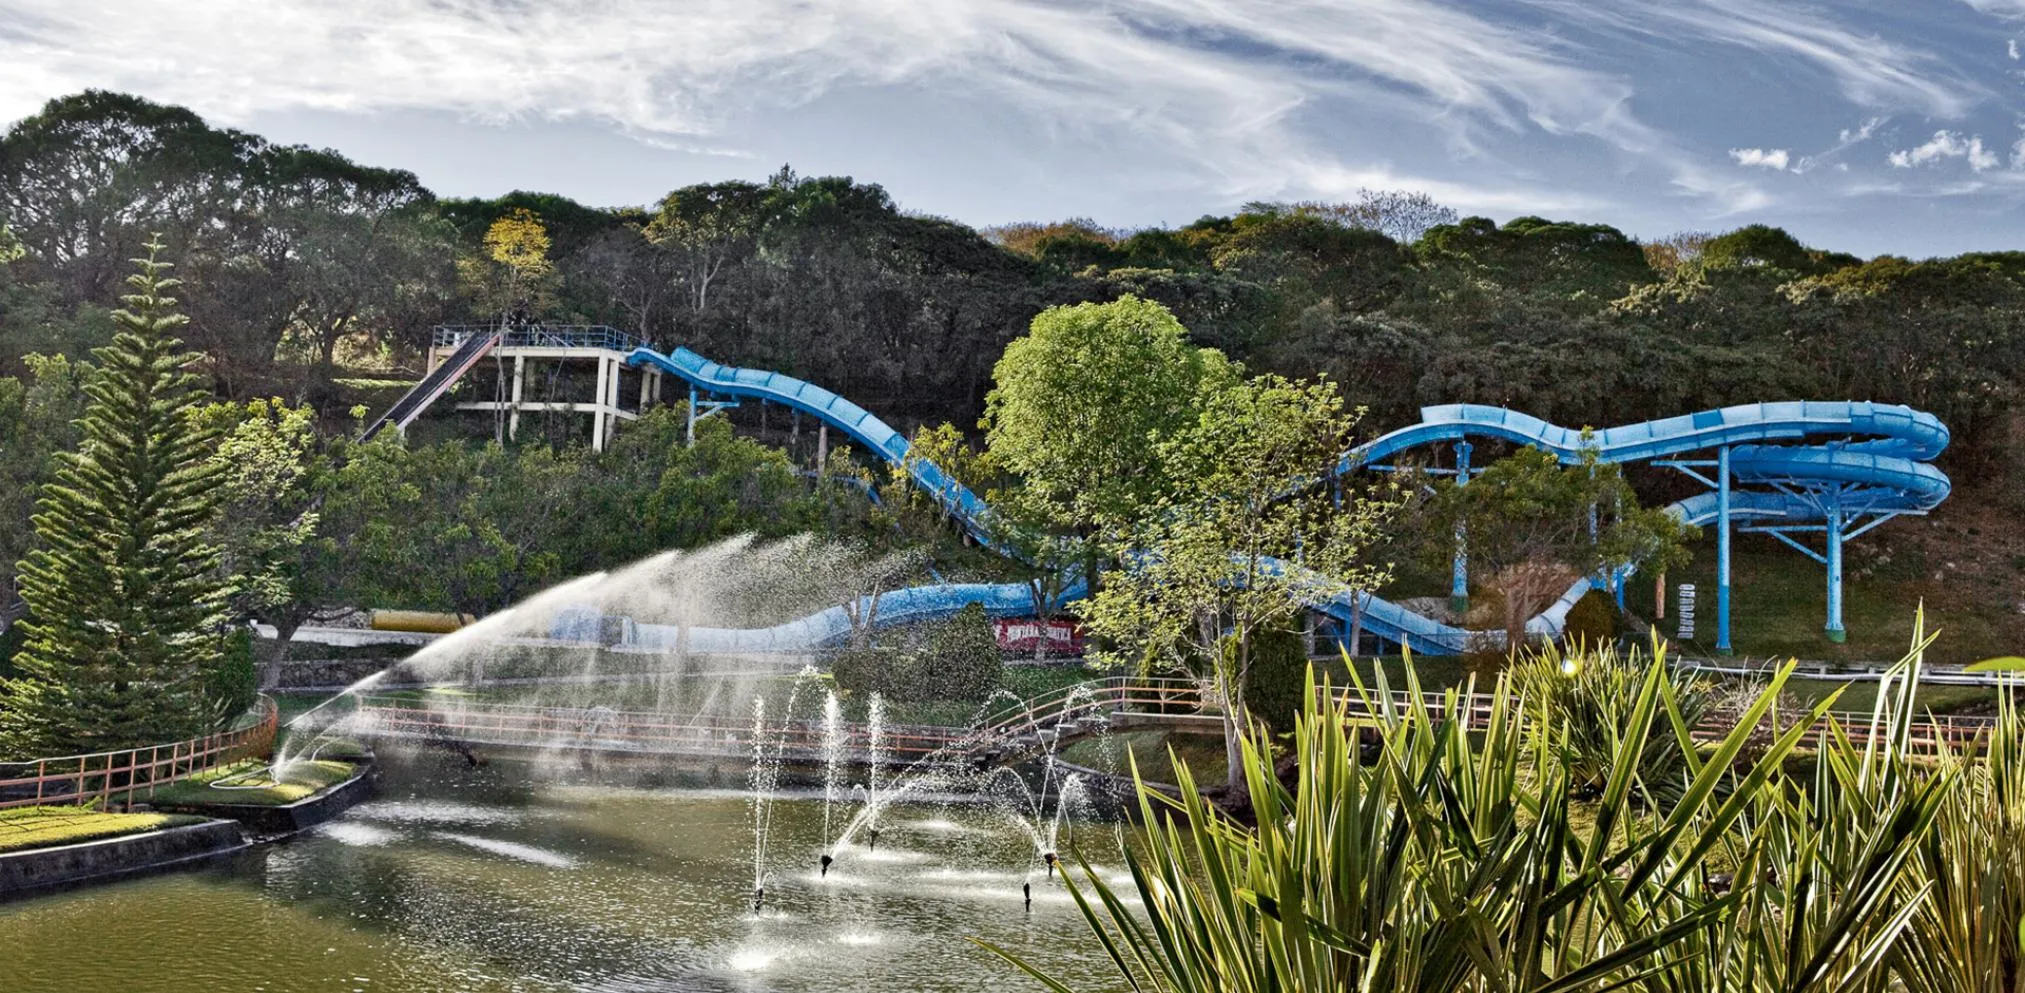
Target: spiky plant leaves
(1455, 857)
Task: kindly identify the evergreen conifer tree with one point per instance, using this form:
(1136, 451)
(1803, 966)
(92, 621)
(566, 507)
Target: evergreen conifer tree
(125, 595)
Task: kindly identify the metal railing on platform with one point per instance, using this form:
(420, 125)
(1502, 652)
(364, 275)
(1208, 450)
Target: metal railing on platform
(541, 336)
(101, 776)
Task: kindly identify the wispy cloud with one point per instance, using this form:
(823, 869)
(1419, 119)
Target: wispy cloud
(1529, 105)
(1871, 70)
(1217, 80)
(1946, 145)
(1768, 158)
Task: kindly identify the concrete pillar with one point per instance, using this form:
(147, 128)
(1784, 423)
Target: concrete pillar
(611, 400)
(597, 407)
(519, 377)
(822, 446)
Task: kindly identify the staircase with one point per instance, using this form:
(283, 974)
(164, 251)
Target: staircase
(436, 383)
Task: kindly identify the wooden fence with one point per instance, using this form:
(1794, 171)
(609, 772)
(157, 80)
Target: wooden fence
(126, 774)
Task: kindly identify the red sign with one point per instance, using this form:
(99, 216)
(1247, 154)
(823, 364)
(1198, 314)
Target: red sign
(1062, 637)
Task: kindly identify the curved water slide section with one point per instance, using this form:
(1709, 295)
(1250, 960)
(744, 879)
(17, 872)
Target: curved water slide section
(856, 422)
(1870, 454)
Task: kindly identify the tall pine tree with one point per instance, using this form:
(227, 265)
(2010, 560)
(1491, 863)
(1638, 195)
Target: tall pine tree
(126, 602)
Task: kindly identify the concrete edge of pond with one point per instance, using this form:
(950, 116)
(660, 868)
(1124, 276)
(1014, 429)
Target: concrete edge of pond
(41, 870)
(272, 823)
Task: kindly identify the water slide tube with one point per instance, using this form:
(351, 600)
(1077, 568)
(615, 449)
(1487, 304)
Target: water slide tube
(1820, 463)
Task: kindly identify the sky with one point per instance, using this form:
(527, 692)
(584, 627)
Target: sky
(1871, 126)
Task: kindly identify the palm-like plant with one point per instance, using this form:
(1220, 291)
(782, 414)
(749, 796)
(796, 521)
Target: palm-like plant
(1458, 859)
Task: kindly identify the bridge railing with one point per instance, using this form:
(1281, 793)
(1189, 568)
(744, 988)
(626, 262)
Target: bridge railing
(649, 731)
(127, 773)
(638, 730)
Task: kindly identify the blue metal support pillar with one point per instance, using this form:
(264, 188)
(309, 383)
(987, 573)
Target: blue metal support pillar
(1835, 632)
(1723, 551)
(1459, 577)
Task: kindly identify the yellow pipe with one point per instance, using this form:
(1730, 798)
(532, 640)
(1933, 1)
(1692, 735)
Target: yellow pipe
(421, 621)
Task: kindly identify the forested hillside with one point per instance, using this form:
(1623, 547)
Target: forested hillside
(306, 274)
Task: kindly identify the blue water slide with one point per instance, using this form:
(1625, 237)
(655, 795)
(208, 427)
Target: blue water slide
(1809, 457)
(859, 424)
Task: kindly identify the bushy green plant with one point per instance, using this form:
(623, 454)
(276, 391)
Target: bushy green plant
(1460, 860)
(957, 659)
(1578, 696)
(234, 683)
(962, 660)
(1278, 677)
(1593, 620)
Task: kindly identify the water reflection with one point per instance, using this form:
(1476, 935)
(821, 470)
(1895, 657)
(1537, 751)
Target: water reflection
(481, 879)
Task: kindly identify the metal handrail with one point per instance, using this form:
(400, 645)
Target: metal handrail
(541, 336)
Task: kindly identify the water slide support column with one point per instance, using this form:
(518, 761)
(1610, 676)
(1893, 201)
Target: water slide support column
(691, 436)
(1723, 551)
(598, 406)
(519, 378)
(1835, 632)
(1459, 578)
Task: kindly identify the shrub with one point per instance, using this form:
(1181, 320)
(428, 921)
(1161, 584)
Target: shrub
(962, 661)
(1593, 620)
(234, 683)
(957, 659)
(864, 671)
(1278, 679)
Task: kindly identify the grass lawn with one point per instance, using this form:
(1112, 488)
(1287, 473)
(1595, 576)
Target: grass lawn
(47, 827)
(303, 779)
(1778, 605)
(1202, 753)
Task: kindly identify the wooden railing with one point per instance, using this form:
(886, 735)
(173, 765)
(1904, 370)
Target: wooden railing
(101, 776)
(1011, 728)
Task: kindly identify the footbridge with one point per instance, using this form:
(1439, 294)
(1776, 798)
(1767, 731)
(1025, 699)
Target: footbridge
(1792, 470)
(1010, 733)
(1015, 733)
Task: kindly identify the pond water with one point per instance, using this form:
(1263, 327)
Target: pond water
(505, 877)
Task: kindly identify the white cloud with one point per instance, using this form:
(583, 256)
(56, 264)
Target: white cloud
(1946, 145)
(1187, 73)
(2012, 47)
(1768, 158)
(1862, 133)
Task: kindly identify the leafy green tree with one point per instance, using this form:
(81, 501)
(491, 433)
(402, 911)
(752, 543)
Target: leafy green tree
(1528, 520)
(1082, 400)
(269, 457)
(1025, 546)
(1240, 546)
(1560, 259)
(127, 605)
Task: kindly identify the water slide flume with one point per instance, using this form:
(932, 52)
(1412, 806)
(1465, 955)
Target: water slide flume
(1822, 465)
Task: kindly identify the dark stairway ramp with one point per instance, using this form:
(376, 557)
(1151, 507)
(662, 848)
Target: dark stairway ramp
(436, 383)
